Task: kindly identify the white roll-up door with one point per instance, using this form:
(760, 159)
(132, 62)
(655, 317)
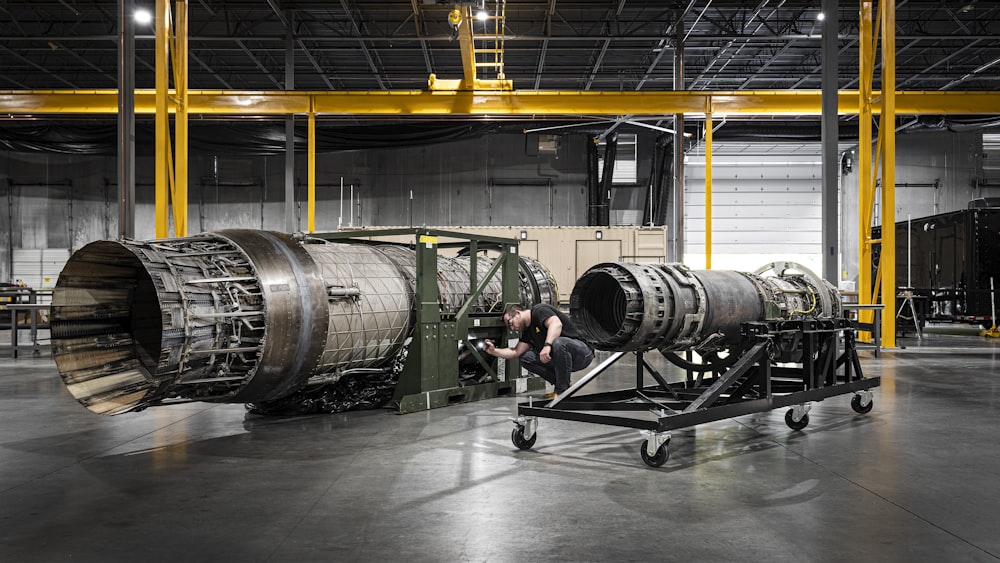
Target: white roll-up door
(39, 268)
(766, 206)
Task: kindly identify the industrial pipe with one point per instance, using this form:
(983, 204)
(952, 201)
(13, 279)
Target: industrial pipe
(244, 316)
(634, 307)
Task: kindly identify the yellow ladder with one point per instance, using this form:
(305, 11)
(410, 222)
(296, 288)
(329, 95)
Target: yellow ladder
(490, 55)
(479, 50)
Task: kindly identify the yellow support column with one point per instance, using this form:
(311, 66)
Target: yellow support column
(708, 190)
(865, 181)
(311, 172)
(180, 191)
(883, 288)
(162, 118)
(887, 129)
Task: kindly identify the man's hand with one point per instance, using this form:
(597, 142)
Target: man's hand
(489, 347)
(546, 355)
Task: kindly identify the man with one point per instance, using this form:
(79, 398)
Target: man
(549, 347)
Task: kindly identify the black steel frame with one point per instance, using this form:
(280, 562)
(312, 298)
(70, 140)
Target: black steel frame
(759, 380)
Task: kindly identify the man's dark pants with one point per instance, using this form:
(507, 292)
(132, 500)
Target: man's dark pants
(568, 355)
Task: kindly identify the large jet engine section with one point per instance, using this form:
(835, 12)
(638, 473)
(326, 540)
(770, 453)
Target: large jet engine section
(629, 307)
(245, 316)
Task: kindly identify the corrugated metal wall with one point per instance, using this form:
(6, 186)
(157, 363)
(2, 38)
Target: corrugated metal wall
(66, 201)
(936, 172)
(766, 207)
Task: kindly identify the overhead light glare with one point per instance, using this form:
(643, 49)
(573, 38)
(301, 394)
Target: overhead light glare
(143, 17)
(482, 16)
(821, 16)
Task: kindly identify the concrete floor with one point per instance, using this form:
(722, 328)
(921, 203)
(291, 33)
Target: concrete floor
(917, 479)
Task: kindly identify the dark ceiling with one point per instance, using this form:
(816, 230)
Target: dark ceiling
(548, 44)
(569, 45)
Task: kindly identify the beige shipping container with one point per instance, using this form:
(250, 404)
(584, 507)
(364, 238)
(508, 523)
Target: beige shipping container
(568, 252)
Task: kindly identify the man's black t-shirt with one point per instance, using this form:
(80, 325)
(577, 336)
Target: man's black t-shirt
(535, 333)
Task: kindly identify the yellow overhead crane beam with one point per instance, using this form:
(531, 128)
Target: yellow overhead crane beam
(485, 103)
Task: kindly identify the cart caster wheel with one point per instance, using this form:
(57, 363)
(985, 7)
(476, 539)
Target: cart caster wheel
(656, 460)
(802, 423)
(517, 436)
(857, 406)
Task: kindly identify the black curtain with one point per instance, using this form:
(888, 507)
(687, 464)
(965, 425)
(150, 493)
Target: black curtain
(658, 195)
(218, 137)
(603, 202)
(593, 189)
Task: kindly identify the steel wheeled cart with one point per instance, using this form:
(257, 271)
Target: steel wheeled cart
(777, 364)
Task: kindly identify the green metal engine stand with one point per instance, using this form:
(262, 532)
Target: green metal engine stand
(430, 375)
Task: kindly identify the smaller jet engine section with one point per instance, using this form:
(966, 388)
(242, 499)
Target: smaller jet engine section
(634, 307)
(769, 339)
(245, 316)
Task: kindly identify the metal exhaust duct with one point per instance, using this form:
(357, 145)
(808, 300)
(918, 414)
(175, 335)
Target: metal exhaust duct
(242, 316)
(633, 307)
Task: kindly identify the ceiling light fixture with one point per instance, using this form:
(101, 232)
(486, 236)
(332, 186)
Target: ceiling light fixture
(482, 15)
(143, 17)
(821, 16)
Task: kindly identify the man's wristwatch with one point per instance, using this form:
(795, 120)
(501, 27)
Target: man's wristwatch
(546, 344)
